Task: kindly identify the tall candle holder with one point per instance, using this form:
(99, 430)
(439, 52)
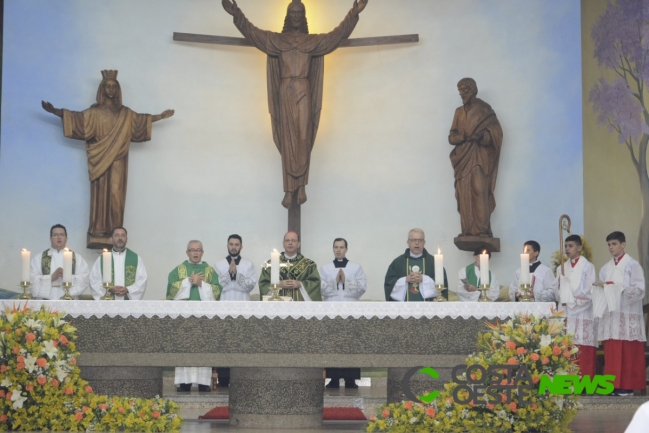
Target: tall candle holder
(275, 288)
(440, 297)
(483, 293)
(26, 295)
(526, 293)
(67, 296)
(108, 296)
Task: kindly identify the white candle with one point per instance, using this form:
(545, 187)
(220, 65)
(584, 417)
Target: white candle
(525, 269)
(439, 268)
(25, 265)
(484, 268)
(274, 267)
(67, 266)
(107, 269)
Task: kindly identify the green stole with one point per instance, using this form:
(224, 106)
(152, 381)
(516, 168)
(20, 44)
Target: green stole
(130, 268)
(183, 271)
(471, 277)
(46, 263)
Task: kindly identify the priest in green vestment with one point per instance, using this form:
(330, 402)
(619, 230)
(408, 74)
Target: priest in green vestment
(411, 276)
(299, 277)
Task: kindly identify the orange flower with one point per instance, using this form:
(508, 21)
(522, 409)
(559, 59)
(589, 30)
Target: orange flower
(533, 406)
(512, 361)
(142, 414)
(55, 343)
(20, 366)
(16, 350)
(78, 416)
(20, 359)
(29, 387)
(68, 390)
(535, 379)
(430, 411)
(85, 409)
(504, 382)
(512, 407)
(9, 396)
(88, 389)
(407, 405)
(503, 397)
(521, 351)
(3, 368)
(385, 413)
(471, 403)
(510, 345)
(155, 414)
(556, 350)
(42, 380)
(534, 356)
(566, 353)
(63, 340)
(30, 337)
(19, 331)
(41, 362)
(120, 409)
(545, 360)
(372, 417)
(55, 383)
(73, 361)
(3, 418)
(2, 393)
(490, 406)
(103, 406)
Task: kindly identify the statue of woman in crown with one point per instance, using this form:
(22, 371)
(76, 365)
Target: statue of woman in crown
(108, 128)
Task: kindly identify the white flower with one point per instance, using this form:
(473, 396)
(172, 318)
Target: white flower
(413, 420)
(6, 383)
(50, 349)
(502, 414)
(33, 324)
(17, 398)
(61, 374)
(449, 414)
(30, 363)
(464, 414)
(11, 317)
(545, 341)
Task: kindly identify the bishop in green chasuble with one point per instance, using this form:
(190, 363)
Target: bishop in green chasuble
(298, 268)
(179, 287)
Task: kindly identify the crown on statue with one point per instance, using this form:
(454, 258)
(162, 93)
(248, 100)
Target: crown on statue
(109, 74)
(295, 3)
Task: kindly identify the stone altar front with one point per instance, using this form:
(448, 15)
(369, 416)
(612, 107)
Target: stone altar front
(276, 350)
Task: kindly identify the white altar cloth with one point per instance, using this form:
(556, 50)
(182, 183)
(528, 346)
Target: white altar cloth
(284, 310)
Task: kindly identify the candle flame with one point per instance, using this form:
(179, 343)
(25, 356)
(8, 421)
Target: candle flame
(66, 250)
(438, 250)
(275, 250)
(24, 250)
(484, 252)
(105, 250)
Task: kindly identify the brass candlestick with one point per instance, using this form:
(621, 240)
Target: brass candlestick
(108, 296)
(526, 293)
(440, 297)
(25, 285)
(275, 288)
(67, 296)
(483, 293)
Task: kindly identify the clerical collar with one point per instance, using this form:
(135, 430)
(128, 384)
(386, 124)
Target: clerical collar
(535, 265)
(341, 263)
(617, 259)
(415, 256)
(118, 252)
(289, 257)
(236, 259)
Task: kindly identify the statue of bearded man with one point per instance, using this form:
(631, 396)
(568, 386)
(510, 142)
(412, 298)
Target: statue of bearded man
(295, 72)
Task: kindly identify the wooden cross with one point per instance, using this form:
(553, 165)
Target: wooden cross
(294, 220)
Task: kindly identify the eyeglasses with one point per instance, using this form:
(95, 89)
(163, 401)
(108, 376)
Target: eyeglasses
(59, 235)
(417, 241)
(194, 251)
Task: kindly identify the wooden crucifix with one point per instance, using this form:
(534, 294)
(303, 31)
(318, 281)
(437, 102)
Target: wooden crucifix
(295, 72)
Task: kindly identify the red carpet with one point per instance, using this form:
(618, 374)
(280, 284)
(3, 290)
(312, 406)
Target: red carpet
(329, 414)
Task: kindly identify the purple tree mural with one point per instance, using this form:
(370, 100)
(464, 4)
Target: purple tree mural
(621, 38)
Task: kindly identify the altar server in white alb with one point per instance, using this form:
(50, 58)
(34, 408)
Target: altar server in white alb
(342, 280)
(237, 275)
(47, 269)
(469, 280)
(574, 294)
(621, 328)
(542, 278)
(128, 274)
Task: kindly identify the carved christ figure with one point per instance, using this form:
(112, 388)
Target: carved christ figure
(295, 72)
(108, 127)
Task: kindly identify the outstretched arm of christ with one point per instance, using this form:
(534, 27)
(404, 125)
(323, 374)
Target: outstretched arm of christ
(164, 115)
(259, 38)
(47, 106)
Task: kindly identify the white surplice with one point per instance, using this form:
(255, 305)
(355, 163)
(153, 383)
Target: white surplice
(42, 285)
(466, 296)
(543, 282)
(239, 288)
(574, 294)
(351, 290)
(135, 291)
(629, 284)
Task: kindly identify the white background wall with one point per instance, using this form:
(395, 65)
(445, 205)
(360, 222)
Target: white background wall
(380, 164)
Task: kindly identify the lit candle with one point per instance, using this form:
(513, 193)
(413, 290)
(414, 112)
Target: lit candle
(67, 266)
(274, 267)
(25, 265)
(525, 269)
(107, 269)
(439, 268)
(484, 268)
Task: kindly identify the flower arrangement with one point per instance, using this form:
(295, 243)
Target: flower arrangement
(538, 344)
(41, 387)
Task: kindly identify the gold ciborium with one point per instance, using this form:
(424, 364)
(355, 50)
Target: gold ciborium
(483, 293)
(440, 297)
(25, 285)
(108, 296)
(275, 288)
(67, 296)
(526, 293)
